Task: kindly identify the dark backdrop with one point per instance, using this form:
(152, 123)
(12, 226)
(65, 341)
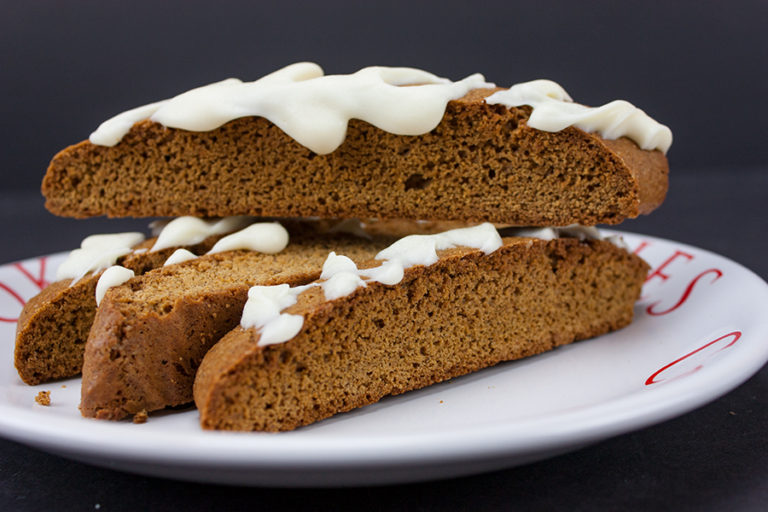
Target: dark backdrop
(699, 66)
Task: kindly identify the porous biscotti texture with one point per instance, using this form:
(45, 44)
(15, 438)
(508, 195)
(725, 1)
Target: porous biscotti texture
(54, 324)
(481, 163)
(150, 334)
(466, 312)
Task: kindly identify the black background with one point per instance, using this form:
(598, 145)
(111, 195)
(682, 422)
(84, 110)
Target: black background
(699, 67)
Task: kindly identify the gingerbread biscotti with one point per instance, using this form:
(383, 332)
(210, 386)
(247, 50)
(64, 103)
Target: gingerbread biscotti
(467, 311)
(481, 160)
(54, 324)
(338, 317)
(150, 334)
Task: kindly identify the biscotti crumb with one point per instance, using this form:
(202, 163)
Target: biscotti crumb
(140, 417)
(43, 398)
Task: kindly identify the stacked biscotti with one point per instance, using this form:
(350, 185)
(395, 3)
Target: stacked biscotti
(270, 303)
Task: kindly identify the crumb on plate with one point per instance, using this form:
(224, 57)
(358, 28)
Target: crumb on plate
(43, 398)
(141, 416)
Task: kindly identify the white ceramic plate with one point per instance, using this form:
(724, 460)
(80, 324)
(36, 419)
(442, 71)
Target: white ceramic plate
(700, 331)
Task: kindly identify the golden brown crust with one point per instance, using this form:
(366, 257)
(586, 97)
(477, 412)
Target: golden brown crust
(150, 334)
(649, 168)
(466, 312)
(482, 163)
(54, 324)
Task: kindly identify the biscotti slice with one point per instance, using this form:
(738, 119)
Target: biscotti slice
(481, 160)
(467, 311)
(54, 324)
(150, 334)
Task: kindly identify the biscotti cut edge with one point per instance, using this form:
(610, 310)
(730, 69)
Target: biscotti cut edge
(649, 172)
(466, 312)
(53, 325)
(150, 334)
(482, 163)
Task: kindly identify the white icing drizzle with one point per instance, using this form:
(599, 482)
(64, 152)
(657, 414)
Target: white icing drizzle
(580, 232)
(618, 241)
(263, 311)
(422, 249)
(314, 109)
(192, 230)
(311, 108)
(281, 329)
(389, 273)
(112, 130)
(96, 252)
(340, 277)
(265, 237)
(540, 233)
(571, 231)
(554, 110)
(113, 276)
(335, 264)
(179, 256)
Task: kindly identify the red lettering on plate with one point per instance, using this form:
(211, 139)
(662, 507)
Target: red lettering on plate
(10, 291)
(39, 281)
(640, 247)
(659, 271)
(718, 274)
(653, 379)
